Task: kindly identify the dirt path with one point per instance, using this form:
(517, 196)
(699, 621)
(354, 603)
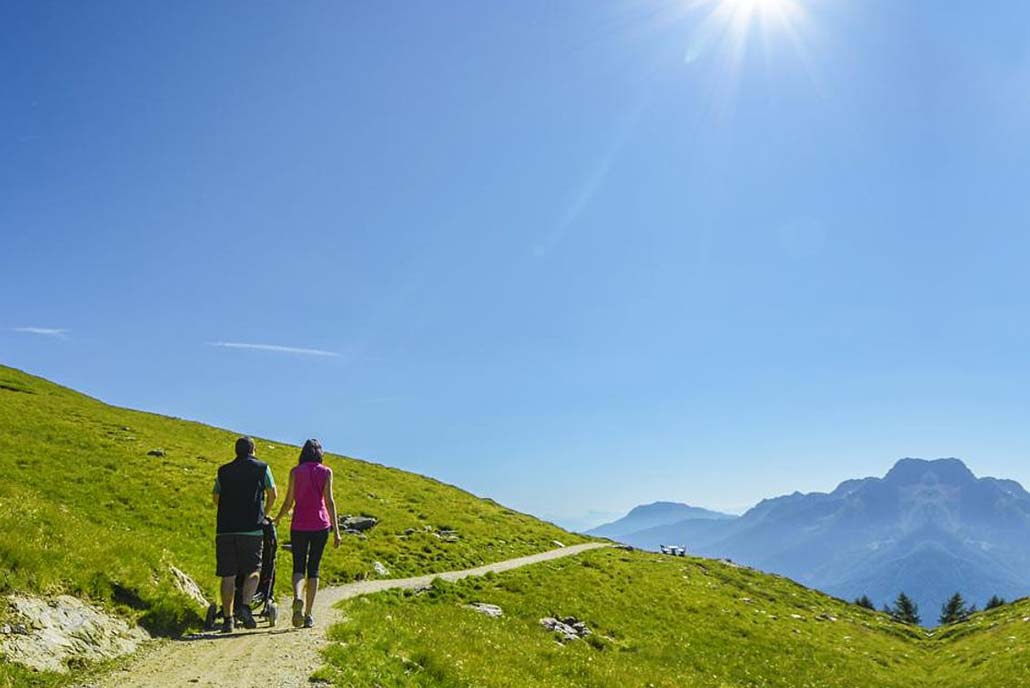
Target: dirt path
(282, 657)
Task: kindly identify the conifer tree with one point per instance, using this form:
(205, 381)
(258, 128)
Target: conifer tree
(955, 610)
(905, 610)
(864, 601)
(994, 602)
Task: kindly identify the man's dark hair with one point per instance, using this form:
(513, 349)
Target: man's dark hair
(312, 451)
(244, 447)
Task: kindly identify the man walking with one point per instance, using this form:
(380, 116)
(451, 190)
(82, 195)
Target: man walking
(244, 491)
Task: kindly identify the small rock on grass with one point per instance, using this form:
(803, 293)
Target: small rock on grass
(491, 610)
(569, 627)
(357, 524)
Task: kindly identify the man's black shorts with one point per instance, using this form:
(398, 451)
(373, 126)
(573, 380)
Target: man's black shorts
(237, 554)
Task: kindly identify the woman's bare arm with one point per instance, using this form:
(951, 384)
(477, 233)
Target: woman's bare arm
(330, 504)
(288, 502)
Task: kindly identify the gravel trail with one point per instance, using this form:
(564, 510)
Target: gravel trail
(281, 657)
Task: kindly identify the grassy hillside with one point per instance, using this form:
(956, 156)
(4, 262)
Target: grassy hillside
(84, 509)
(662, 622)
(657, 621)
(991, 650)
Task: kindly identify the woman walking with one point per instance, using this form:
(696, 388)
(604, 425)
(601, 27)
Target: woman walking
(311, 490)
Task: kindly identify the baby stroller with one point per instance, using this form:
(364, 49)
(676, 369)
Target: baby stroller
(264, 597)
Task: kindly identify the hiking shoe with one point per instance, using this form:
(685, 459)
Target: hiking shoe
(247, 617)
(309, 622)
(227, 625)
(298, 613)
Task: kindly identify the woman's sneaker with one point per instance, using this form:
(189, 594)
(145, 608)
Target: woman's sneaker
(309, 622)
(227, 625)
(298, 613)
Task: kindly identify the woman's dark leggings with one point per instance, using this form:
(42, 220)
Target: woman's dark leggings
(307, 547)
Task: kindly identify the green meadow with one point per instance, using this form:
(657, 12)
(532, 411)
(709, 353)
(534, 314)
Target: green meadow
(85, 510)
(990, 650)
(655, 621)
(661, 621)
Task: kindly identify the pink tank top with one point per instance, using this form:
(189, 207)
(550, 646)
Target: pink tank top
(309, 512)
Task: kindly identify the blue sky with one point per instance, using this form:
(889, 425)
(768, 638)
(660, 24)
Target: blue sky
(574, 256)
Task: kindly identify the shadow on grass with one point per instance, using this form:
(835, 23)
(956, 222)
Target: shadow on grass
(166, 619)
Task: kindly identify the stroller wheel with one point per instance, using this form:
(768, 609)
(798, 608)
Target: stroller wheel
(209, 620)
(272, 612)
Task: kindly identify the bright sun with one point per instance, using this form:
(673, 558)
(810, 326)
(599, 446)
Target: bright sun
(729, 23)
(725, 31)
(746, 11)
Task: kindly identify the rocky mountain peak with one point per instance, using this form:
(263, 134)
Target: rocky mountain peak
(949, 471)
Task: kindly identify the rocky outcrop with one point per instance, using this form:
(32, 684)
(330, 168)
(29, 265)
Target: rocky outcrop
(568, 627)
(51, 632)
(188, 587)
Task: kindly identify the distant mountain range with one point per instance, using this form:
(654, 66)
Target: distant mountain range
(579, 523)
(928, 528)
(654, 515)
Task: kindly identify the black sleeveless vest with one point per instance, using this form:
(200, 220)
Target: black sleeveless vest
(241, 502)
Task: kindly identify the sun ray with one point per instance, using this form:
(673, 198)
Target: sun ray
(726, 32)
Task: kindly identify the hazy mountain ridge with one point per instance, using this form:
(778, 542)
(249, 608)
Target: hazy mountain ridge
(654, 515)
(929, 528)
